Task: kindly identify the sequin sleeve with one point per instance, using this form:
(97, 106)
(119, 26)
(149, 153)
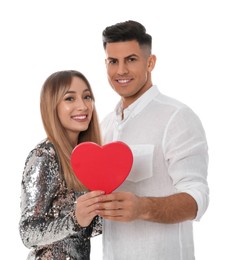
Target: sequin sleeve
(46, 207)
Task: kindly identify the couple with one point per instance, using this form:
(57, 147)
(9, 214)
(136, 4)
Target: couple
(150, 215)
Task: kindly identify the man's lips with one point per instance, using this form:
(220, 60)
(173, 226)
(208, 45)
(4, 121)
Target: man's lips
(123, 81)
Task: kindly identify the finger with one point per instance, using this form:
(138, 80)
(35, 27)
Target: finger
(95, 193)
(109, 213)
(110, 205)
(89, 195)
(87, 206)
(115, 196)
(92, 209)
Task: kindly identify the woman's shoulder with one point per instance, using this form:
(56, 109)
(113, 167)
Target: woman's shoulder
(44, 149)
(43, 158)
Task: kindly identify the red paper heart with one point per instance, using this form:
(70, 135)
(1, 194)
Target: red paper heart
(102, 167)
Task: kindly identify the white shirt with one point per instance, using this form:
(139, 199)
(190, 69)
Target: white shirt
(170, 156)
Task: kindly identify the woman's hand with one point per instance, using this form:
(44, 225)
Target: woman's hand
(86, 207)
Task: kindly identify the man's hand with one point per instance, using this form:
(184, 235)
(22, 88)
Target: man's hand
(120, 206)
(125, 206)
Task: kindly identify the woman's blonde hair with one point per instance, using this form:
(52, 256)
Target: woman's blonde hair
(53, 90)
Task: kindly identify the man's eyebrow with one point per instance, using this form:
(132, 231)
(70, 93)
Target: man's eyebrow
(127, 57)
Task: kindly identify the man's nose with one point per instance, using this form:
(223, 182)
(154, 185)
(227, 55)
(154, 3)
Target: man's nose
(122, 68)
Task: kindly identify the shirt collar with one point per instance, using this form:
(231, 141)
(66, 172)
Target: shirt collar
(138, 105)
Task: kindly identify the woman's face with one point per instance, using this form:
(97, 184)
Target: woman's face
(76, 108)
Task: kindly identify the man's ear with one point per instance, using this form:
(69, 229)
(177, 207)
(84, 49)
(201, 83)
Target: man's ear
(151, 62)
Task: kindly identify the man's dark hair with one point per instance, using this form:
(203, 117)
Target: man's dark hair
(127, 31)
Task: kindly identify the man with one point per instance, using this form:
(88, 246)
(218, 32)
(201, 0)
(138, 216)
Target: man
(150, 215)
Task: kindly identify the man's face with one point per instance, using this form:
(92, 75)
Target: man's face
(129, 69)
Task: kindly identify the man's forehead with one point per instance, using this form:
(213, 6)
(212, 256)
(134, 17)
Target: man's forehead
(122, 49)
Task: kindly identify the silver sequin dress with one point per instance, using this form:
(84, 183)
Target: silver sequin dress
(47, 223)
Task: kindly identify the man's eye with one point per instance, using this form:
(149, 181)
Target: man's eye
(112, 62)
(131, 59)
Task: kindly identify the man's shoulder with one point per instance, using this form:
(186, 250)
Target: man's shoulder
(170, 101)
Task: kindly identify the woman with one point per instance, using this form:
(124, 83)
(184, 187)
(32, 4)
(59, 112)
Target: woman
(57, 213)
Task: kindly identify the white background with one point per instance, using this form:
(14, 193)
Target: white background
(192, 42)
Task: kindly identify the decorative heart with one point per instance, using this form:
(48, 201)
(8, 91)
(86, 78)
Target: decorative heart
(102, 167)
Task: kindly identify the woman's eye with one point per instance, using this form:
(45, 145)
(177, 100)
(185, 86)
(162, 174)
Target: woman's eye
(88, 97)
(69, 99)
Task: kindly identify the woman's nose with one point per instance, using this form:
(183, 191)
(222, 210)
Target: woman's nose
(81, 105)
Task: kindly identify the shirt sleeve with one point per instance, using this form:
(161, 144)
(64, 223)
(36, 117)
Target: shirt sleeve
(41, 223)
(186, 152)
